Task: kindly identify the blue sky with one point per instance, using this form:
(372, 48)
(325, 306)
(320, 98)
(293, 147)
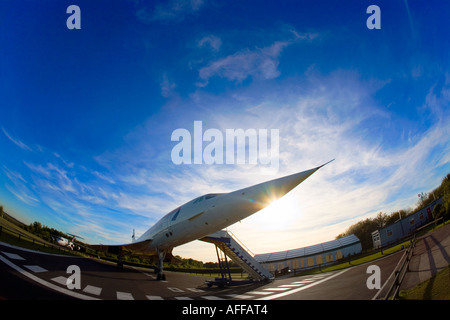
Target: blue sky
(87, 115)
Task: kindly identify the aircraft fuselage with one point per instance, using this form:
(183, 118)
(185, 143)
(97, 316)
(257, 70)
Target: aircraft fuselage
(213, 212)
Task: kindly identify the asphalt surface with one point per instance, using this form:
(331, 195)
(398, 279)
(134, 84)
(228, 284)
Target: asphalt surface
(30, 275)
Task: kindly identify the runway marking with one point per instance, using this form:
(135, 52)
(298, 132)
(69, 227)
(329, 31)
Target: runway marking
(13, 256)
(276, 289)
(282, 294)
(260, 293)
(212, 298)
(195, 290)
(239, 296)
(173, 289)
(154, 298)
(92, 290)
(36, 269)
(291, 285)
(124, 296)
(61, 280)
(303, 282)
(45, 283)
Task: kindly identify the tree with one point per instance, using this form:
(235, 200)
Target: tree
(381, 220)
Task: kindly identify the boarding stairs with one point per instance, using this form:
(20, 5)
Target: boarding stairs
(236, 251)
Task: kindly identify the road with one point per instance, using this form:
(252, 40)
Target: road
(28, 274)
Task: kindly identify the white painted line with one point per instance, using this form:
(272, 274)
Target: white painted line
(195, 290)
(36, 269)
(45, 283)
(12, 256)
(291, 285)
(154, 298)
(240, 296)
(173, 289)
(260, 293)
(276, 289)
(282, 294)
(183, 298)
(212, 298)
(61, 280)
(92, 290)
(124, 296)
(303, 282)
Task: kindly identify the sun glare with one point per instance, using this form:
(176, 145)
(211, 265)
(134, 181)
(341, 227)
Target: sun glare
(280, 213)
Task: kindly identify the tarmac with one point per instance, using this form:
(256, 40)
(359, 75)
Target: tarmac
(431, 254)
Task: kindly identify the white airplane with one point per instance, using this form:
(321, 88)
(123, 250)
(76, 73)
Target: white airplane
(205, 215)
(63, 242)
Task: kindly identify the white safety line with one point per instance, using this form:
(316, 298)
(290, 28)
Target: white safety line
(45, 283)
(286, 293)
(124, 296)
(36, 269)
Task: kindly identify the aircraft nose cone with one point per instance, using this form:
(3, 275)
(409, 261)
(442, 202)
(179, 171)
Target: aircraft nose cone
(264, 193)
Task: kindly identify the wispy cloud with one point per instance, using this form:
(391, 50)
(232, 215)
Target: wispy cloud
(167, 87)
(17, 142)
(168, 11)
(259, 63)
(211, 41)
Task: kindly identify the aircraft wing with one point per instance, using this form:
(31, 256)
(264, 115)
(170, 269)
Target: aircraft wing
(141, 247)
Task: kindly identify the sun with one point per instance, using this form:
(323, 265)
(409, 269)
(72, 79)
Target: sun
(280, 213)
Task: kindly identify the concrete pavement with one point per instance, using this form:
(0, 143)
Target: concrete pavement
(431, 255)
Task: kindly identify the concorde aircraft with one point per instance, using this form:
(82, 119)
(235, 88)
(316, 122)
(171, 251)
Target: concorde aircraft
(205, 215)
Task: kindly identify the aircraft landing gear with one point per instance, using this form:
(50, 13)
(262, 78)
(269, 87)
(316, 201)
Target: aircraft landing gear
(160, 275)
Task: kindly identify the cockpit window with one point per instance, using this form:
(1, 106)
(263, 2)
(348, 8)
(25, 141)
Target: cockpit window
(198, 199)
(212, 195)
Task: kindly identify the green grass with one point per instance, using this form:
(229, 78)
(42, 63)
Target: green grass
(28, 240)
(436, 288)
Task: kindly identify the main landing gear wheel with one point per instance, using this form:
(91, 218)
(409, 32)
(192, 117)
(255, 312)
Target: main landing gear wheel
(161, 276)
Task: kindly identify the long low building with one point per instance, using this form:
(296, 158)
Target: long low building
(311, 256)
(403, 228)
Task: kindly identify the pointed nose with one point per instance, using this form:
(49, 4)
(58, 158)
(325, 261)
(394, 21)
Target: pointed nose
(264, 193)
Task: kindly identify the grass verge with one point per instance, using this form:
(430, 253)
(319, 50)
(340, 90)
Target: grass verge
(436, 288)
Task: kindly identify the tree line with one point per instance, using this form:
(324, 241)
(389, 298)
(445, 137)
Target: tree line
(364, 228)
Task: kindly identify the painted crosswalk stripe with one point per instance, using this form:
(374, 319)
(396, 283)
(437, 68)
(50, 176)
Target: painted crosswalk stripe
(239, 296)
(124, 296)
(276, 289)
(291, 285)
(13, 256)
(260, 293)
(61, 280)
(183, 298)
(195, 290)
(92, 290)
(303, 282)
(173, 289)
(36, 269)
(212, 298)
(154, 298)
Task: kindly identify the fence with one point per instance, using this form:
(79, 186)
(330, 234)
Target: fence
(403, 266)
